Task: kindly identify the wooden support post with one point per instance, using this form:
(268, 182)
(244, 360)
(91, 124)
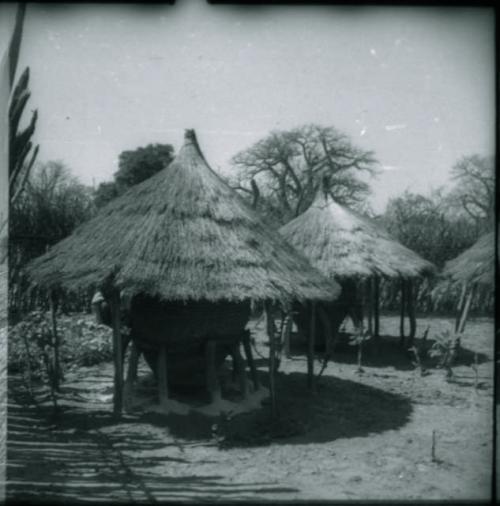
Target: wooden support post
(126, 340)
(213, 386)
(310, 348)
(133, 363)
(131, 373)
(411, 312)
(239, 367)
(330, 338)
(325, 322)
(281, 331)
(359, 305)
(286, 334)
(402, 314)
(460, 308)
(369, 300)
(465, 312)
(376, 308)
(272, 366)
(234, 371)
(57, 373)
(162, 376)
(248, 354)
(117, 353)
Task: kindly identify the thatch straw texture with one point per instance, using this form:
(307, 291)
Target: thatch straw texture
(183, 234)
(344, 244)
(474, 265)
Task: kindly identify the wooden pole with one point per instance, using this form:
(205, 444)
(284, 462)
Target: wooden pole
(359, 303)
(285, 338)
(330, 338)
(239, 367)
(248, 354)
(376, 287)
(466, 310)
(325, 321)
(411, 311)
(310, 348)
(131, 373)
(57, 376)
(402, 314)
(369, 299)
(272, 367)
(212, 381)
(460, 307)
(162, 376)
(117, 354)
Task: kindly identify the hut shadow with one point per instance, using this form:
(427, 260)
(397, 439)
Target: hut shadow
(387, 352)
(338, 409)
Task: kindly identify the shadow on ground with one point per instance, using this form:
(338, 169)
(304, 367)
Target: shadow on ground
(387, 352)
(85, 455)
(337, 409)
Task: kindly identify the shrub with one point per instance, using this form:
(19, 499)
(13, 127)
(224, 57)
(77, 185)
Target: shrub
(446, 348)
(82, 342)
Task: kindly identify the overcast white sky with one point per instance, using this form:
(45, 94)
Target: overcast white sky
(416, 85)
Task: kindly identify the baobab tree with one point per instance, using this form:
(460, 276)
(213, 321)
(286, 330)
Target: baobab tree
(282, 172)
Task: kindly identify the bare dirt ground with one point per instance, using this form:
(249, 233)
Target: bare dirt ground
(3, 375)
(358, 437)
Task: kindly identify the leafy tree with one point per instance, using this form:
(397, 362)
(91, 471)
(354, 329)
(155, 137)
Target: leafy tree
(51, 206)
(134, 167)
(442, 225)
(282, 172)
(426, 225)
(105, 192)
(141, 163)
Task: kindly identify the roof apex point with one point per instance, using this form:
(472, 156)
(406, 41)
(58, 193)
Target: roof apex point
(190, 135)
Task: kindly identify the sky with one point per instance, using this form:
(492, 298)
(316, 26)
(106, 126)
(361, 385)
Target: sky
(413, 84)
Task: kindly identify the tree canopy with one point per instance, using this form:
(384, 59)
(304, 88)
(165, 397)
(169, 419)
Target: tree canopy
(134, 166)
(426, 225)
(51, 206)
(443, 224)
(281, 173)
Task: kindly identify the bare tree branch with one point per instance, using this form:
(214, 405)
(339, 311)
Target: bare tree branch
(289, 165)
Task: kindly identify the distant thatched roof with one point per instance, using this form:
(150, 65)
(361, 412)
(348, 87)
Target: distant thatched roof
(343, 244)
(474, 265)
(182, 234)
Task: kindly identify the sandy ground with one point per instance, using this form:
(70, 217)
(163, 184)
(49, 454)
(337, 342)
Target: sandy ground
(360, 437)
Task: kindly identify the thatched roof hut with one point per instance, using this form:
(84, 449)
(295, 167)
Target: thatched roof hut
(474, 265)
(183, 234)
(349, 247)
(474, 269)
(186, 248)
(342, 243)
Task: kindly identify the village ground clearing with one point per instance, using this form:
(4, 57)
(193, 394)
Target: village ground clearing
(359, 437)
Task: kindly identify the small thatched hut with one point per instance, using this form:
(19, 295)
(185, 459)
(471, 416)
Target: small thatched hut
(474, 269)
(352, 249)
(191, 255)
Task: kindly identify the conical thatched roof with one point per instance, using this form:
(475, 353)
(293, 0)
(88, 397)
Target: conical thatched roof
(344, 244)
(183, 234)
(476, 264)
